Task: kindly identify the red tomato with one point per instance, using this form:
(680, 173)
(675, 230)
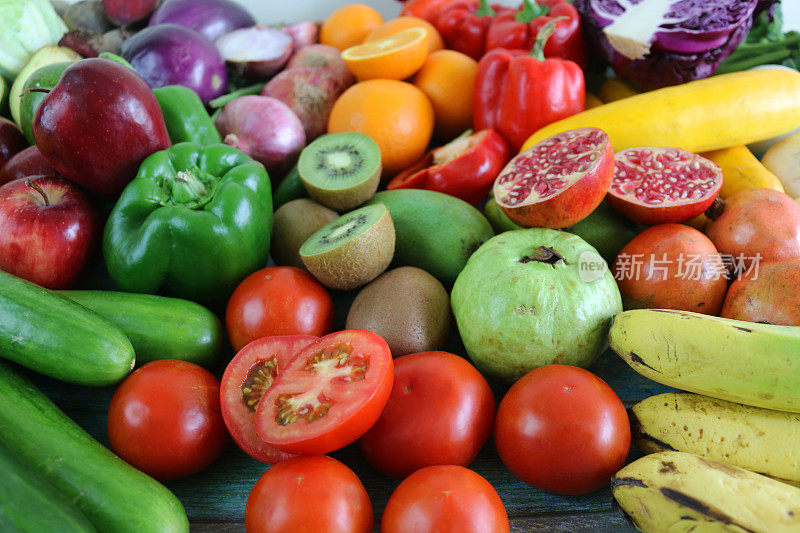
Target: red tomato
(165, 419)
(444, 498)
(247, 377)
(308, 495)
(562, 429)
(440, 412)
(278, 301)
(329, 395)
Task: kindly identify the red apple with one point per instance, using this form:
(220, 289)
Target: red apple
(48, 230)
(11, 140)
(98, 124)
(27, 163)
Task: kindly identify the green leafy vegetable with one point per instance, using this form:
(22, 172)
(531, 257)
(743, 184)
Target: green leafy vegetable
(25, 27)
(765, 44)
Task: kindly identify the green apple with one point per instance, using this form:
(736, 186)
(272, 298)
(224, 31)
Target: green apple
(533, 297)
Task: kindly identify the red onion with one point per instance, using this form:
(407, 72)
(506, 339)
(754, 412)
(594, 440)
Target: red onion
(257, 52)
(265, 129)
(323, 56)
(310, 93)
(303, 33)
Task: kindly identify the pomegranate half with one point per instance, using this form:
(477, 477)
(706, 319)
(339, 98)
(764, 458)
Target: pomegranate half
(662, 185)
(558, 181)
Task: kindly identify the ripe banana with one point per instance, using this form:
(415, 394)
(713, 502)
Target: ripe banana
(677, 491)
(760, 440)
(744, 362)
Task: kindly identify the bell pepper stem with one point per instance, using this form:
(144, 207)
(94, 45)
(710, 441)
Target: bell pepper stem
(484, 9)
(531, 11)
(29, 183)
(541, 38)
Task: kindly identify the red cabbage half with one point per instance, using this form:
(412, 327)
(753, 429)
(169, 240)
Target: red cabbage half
(656, 43)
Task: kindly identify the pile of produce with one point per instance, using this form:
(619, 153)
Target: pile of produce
(410, 236)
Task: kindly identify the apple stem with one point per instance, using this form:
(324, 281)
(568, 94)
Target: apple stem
(29, 183)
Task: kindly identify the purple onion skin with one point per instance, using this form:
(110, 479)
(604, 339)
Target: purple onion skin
(662, 68)
(212, 18)
(264, 128)
(169, 54)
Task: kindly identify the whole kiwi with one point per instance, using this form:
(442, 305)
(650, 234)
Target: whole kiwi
(406, 306)
(293, 223)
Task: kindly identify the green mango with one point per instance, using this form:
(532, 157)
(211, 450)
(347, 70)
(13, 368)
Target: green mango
(434, 231)
(605, 229)
(290, 188)
(44, 78)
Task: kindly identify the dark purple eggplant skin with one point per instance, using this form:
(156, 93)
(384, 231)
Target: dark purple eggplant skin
(212, 18)
(169, 54)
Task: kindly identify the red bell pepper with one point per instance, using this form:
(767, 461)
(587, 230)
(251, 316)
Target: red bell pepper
(463, 25)
(465, 167)
(425, 9)
(517, 93)
(518, 29)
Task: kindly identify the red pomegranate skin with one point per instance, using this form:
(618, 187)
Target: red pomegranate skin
(758, 221)
(671, 266)
(98, 124)
(767, 293)
(568, 206)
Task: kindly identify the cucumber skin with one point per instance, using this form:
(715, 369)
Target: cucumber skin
(113, 495)
(29, 504)
(157, 326)
(53, 335)
(434, 231)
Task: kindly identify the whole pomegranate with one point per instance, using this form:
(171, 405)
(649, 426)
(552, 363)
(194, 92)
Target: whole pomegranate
(755, 224)
(766, 293)
(671, 266)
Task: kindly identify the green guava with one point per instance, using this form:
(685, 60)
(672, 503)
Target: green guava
(533, 297)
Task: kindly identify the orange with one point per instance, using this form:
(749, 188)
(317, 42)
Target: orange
(395, 57)
(349, 25)
(390, 27)
(397, 115)
(448, 79)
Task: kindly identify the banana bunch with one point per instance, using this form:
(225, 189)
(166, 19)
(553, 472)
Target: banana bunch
(677, 491)
(744, 362)
(760, 440)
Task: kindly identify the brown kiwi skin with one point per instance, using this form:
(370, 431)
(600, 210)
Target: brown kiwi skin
(293, 223)
(406, 306)
(358, 261)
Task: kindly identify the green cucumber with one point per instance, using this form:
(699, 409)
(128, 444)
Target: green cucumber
(434, 231)
(113, 495)
(57, 337)
(29, 504)
(158, 327)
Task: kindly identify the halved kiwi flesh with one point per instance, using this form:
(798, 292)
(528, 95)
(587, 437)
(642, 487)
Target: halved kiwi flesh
(352, 250)
(341, 170)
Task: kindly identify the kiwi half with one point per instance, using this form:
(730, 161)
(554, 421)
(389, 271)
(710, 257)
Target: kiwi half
(352, 250)
(341, 170)
(293, 223)
(406, 306)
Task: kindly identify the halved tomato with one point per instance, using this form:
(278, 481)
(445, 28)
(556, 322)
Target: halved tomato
(247, 377)
(329, 395)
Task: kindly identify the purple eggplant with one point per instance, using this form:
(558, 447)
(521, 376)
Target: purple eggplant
(169, 54)
(212, 18)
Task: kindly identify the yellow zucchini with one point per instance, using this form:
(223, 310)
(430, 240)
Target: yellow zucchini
(709, 114)
(783, 159)
(741, 170)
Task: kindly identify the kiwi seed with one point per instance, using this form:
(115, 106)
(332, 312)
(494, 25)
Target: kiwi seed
(406, 306)
(352, 250)
(341, 170)
(293, 223)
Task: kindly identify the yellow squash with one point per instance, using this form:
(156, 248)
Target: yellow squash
(741, 170)
(717, 112)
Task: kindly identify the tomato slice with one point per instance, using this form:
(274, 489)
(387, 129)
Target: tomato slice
(248, 376)
(329, 395)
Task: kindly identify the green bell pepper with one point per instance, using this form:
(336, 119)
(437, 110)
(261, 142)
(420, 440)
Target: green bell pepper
(196, 220)
(185, 116)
